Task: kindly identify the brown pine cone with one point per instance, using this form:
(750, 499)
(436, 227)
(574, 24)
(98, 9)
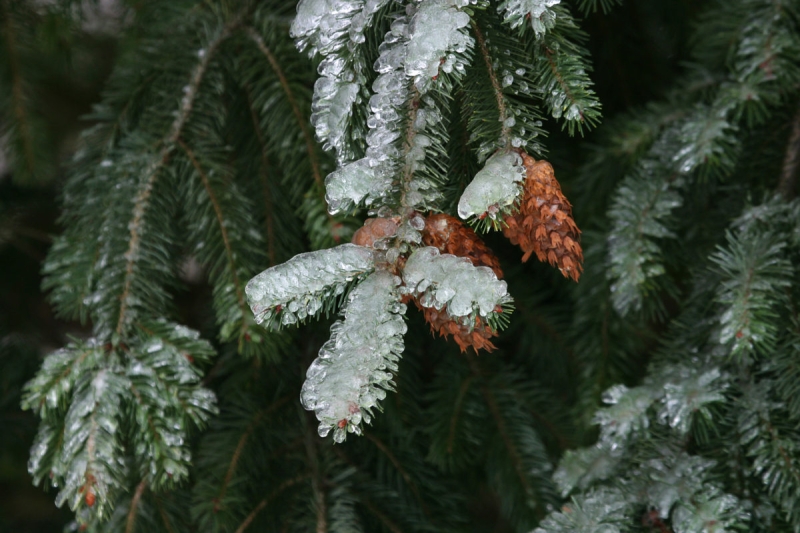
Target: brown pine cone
(544, 224)
(374, 229)
(451, 236)
(442, 323)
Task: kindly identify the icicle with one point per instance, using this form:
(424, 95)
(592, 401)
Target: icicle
(496, 186)
(541, 16)
(334, 29)
(355, 367)
(305, 280)
(438, 38)
(441, 281)
(370, 179)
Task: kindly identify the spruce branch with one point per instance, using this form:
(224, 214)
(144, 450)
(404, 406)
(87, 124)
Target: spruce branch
(142, 199)
(130, 523)
(791, 160)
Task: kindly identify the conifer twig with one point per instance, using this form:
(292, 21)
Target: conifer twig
(16, 91)
(505, 132)
(237, 283)
(131, 521)
(263, 503)
(142, 200)
(791, 161)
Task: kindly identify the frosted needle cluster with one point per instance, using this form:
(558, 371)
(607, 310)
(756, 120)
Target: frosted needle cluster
(444, 280)
(298, 287)
(354, 368)
(496, 186)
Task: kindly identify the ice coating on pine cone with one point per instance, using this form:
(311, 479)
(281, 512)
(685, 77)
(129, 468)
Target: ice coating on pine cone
(302, 283)
(355, 367)
(450, 236)
(537, 11)
(495, 186)
(438, 37)
(440, 280)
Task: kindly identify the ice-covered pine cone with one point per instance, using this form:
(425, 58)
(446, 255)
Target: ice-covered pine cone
(442, 323)
(374, 229)
(451, 236)
(544, 224)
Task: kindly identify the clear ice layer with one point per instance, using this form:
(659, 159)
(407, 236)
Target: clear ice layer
(302, 283)
(443, 280)
(495, 186)
(355, 367)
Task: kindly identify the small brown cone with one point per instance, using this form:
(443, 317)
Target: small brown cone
(442, 323)
(451, 236)
(374, 229)
(544, 224)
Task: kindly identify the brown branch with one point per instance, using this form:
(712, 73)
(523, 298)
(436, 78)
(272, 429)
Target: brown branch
(263, 503)
(311, 441)
(500, 422)
(164, 518)
(462, 392)
(786, 185)
(505, 132)
(17, 96)
(264, 180)
(131, 521)
(243, 442)
(382, 517)
(406, 477)
(237, 283)
(307, 137)
(142, 200)
(309, 140)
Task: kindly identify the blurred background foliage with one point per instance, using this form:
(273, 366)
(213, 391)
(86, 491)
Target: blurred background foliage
(54, 59)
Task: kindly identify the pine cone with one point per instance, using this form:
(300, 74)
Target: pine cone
(442, 323)
(451, 236)
(374, 229)
(544, 224)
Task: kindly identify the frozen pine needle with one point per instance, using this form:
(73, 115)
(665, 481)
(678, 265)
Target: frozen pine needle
(297, 288)
(355, 367)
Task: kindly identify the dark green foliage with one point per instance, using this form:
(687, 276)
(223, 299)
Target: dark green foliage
(658, 394)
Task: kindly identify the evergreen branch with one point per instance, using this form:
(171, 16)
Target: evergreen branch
(381, 516)
(265, 185)
(459, 403)
(17, 94)
(406, 476)
(142, 199)
(229, 252)
(755, 276)
(271, 496)
(137, 495)
(301, 121)
(791, 161)
(317, 481)
(240, 445)
(505, 134)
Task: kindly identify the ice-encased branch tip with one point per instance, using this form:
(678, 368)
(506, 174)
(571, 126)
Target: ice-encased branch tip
(495, 187)
(297, 288)
(355, 367)
(446, 281)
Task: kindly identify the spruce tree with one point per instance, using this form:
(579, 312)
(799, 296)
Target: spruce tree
(328, 180)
